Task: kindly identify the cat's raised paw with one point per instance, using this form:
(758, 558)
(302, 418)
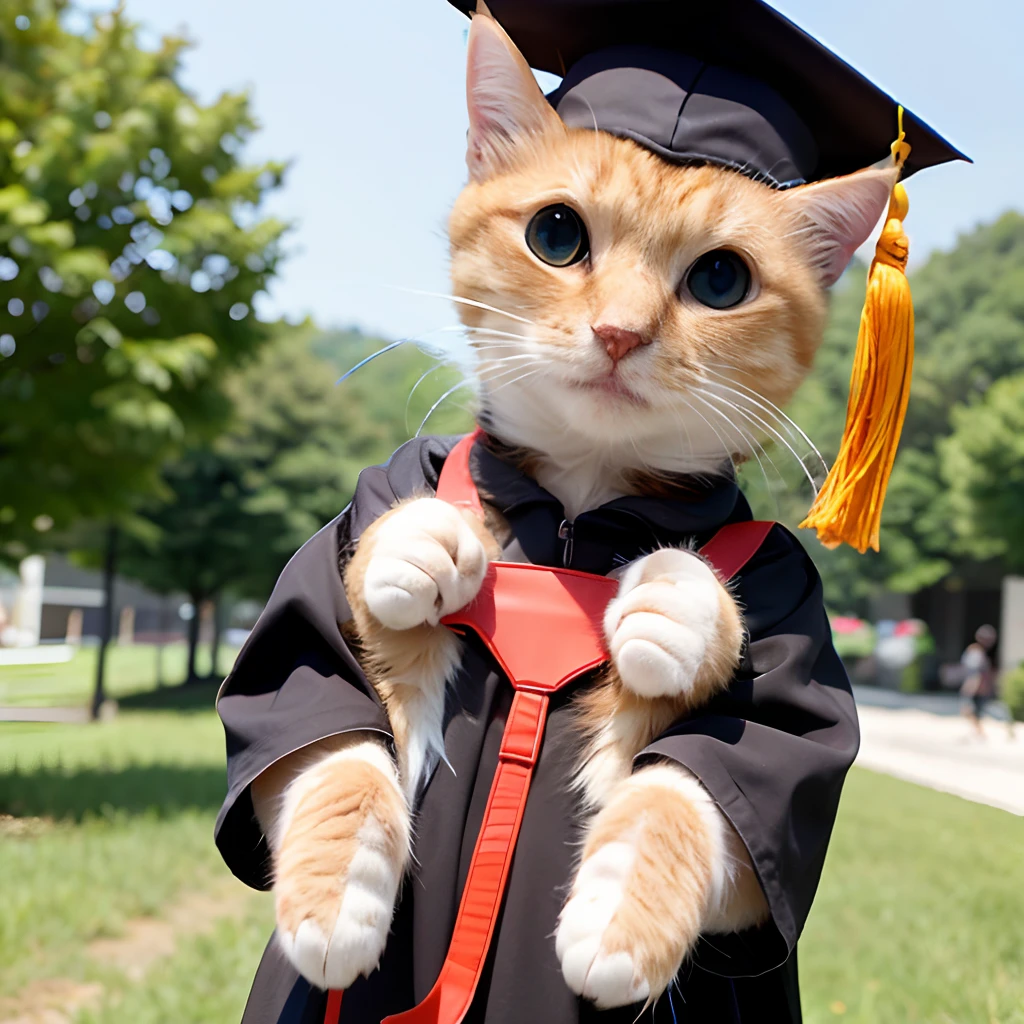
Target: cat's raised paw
(427, 562)
(337, 872)
(673, 627)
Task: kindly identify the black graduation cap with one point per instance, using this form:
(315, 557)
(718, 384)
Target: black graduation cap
(727, 82)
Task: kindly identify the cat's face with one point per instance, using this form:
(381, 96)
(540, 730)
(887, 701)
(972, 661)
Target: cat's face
(643, 310)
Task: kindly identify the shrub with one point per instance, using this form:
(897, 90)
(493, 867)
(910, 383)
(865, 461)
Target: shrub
(1012, 687)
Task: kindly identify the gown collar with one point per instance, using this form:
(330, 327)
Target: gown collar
(617, 532)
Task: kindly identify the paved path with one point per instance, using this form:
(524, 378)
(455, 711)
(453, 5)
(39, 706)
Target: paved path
(19, 714)
(924, 740)
(921, 738)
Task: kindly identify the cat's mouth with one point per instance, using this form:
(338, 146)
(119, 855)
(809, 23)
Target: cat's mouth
(612, 385)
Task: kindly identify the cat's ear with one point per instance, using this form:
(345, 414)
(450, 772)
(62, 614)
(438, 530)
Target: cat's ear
(842, 213)
(505, 103)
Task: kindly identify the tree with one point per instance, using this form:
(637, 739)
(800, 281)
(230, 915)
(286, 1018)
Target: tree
(969, 333)
(238, 508)
(983, 467)
(130, 252)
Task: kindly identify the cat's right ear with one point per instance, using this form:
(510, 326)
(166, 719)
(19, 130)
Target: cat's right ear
(506, 106)
(840, 214)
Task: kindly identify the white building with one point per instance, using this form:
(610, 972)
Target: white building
(50, 600)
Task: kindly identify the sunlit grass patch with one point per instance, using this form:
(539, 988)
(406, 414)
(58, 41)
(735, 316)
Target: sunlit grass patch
(920, 915)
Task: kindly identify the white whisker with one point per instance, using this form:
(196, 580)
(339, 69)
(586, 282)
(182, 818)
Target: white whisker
(758, 422)
(493, 332)
(770, 407)
(430, 412)
(748, 438)
(468, 302)
(721, 440)
(423, 377)
(495, 360)
(529, 373)
(370, 358)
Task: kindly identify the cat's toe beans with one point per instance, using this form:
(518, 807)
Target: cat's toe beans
(584, 942)
(359, 935)
(399, 594)
(351, 950)
(650, 671)
(606, 979)
(655, 655)
(306, 948)
(613, 980)
(427, 562)
(333, 957)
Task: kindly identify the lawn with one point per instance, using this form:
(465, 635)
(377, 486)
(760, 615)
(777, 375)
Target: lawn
(116, 906)
(130, 669)
(920, 914)
(112, 891)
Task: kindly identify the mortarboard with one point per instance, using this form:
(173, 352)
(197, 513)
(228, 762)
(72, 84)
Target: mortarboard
(736, 84)
(727, 82)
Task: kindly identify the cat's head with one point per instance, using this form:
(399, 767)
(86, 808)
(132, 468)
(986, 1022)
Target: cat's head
(629, 309)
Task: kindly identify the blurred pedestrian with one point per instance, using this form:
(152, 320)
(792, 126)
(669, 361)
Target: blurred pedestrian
(979, 676)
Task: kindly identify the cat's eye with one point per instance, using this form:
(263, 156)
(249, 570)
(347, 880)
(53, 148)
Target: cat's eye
(719, 279)
(558, 236)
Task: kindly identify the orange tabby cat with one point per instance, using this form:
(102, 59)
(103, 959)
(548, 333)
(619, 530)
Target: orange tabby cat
(577, 257)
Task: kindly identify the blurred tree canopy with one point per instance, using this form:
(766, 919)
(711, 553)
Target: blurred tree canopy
(131, 248)
(983, 467)
(133, 388)
(969, 306)
(235, 510)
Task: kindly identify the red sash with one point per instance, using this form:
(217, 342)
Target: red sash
(562, 613)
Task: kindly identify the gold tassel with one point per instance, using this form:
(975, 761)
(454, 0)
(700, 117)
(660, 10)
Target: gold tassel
(848, 508)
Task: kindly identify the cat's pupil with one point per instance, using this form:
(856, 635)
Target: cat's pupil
(719, 279)
(722, 277)
(557, 236)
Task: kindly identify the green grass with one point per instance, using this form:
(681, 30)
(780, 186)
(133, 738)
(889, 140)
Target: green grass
(919, 917)
(130, 669)
(142, 763)
(206, 982)
(114, 822)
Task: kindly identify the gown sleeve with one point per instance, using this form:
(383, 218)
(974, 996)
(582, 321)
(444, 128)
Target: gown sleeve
(773, 750)
(296, 680)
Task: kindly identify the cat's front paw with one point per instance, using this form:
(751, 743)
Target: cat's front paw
(673, 629)
(427, 562)
(652, 866)
(340, 860)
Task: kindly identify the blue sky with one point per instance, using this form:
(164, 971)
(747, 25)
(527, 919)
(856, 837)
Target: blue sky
(368, 102)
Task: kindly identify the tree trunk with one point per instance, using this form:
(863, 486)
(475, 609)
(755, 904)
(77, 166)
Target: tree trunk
(193, 638)
(107, 620)
(160, 643)
(218, 629)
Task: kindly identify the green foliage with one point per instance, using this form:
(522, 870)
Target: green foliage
(130, 252)
(969, 334)
(1011, 689)
(286, 464)
(983, 466)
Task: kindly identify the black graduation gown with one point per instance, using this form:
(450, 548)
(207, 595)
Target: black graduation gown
(772, 750)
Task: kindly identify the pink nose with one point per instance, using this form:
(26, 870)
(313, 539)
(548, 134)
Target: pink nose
(617, 341)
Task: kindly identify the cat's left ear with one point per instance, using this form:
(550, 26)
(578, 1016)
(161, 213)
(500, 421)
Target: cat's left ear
(506, 106)
(839, 214)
